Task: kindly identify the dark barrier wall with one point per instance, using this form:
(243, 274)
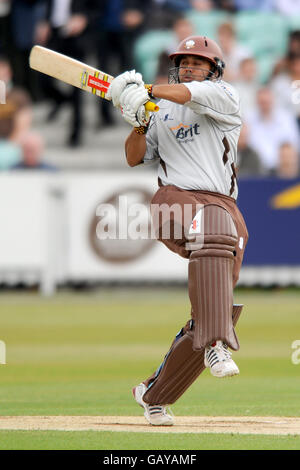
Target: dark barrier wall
(271, 208)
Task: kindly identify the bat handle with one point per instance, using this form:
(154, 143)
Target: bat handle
(150, 106)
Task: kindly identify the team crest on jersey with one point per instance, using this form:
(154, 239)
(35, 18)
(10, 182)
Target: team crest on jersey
(226, 89)
(168, 118)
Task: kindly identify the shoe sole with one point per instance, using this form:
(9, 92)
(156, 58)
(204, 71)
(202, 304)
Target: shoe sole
(223, 376)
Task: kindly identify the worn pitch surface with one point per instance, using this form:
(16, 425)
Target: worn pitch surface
(183, 424)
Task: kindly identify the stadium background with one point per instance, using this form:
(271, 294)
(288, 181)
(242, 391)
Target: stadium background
(82, 320)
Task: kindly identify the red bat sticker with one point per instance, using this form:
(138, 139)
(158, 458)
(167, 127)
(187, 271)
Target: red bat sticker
(98, 84)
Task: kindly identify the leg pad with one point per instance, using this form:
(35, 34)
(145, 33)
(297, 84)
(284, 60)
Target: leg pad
(181, 367)
(211, 280)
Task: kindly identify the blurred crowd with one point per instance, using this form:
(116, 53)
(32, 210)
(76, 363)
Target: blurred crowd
(108, 31)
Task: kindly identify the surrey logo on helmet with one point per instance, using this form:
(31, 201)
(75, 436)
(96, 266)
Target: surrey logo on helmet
(189, 44)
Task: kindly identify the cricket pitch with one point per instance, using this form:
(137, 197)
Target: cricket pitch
(183, 424)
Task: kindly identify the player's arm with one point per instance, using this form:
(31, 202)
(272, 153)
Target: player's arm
(178, 93)
(128, 92)
(135, 148)
(135, 145)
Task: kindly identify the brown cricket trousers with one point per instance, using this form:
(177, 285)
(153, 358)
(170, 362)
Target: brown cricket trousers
(184, 363)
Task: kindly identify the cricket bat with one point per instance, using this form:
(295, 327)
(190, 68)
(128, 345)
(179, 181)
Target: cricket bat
(74, 72)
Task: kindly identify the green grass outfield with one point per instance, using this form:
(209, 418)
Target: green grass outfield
(80, 354)
(93, 440)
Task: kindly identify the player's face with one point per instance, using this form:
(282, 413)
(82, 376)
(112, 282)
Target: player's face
(193, 68)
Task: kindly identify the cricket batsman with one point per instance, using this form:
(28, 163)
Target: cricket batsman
(194, 136)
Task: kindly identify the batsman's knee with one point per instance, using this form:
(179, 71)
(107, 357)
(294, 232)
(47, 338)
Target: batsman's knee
(217, 233)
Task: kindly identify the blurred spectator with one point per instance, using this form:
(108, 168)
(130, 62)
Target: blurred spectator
(63, 29)
(288, 7)
(6, 74)
(269, 127)
(248, 161)
(118, 27)
(10, 153)
(24, 17)
(115, 33)
(293, 48)
(7, 115)
(162, 13)
(175, 5)
(23, 115)
(288, 165)
(182, 28)
(248, 84)
(256, 5)
(16, 114)
(233, 52)
(294, 43)
(32, 148)
(202, 5)
(11, 116)
(282, 86)
(226, 5)
(5, 33)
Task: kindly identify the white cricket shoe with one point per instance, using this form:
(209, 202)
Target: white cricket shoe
(155, 414)
(218, 359)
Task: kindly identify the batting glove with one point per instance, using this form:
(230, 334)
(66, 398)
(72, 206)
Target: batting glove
(119, 84)
(132, 103)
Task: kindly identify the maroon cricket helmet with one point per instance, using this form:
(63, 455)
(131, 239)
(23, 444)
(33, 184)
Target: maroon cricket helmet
(200, 46)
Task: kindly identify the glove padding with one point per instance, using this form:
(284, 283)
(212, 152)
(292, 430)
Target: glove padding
(119, 84)
(132, 103)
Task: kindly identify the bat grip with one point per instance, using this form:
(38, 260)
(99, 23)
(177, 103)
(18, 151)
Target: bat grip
(150, 106)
